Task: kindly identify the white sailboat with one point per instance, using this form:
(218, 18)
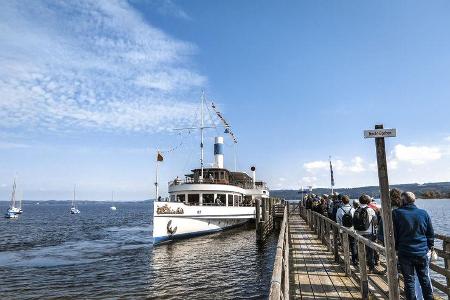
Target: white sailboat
(207, 200)
(74, 209)
(13, 211)
(112, 200)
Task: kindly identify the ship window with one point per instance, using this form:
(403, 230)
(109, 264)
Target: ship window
(172, 198)
(248, 201)
(193, 199)
(208, 199)
(220, 200)
(181, 198)
(230, 200)
(240, 200)
(236, 200)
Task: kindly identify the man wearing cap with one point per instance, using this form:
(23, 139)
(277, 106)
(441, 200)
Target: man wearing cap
(414, 237)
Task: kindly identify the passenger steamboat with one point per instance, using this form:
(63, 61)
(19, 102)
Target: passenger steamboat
(207, 200)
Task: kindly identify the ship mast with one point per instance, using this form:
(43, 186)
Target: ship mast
(202, 124)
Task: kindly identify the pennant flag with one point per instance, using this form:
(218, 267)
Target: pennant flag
(159, 157)
(331, 172)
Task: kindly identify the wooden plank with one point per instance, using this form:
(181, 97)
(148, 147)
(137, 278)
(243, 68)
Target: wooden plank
(299, 269)
(324, 278)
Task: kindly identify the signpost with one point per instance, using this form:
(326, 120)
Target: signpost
(391, 260)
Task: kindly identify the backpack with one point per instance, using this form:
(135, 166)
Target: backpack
(361, 220)
(347, 219)
(336, 206)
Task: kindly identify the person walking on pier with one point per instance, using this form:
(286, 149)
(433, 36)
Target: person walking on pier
(344, 217)
(414, 238)
(364, 221)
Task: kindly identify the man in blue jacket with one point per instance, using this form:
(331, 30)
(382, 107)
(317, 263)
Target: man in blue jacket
(414, 237)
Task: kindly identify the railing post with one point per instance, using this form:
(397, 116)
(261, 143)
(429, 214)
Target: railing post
(336, 245)
(363, 271)
(346, 246)
(324, 231)
(446, 248)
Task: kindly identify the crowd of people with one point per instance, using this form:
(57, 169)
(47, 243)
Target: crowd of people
(413, 233)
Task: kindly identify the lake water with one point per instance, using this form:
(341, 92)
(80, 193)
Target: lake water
(48, 253)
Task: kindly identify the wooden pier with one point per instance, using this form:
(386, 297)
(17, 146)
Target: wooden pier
(313, 261)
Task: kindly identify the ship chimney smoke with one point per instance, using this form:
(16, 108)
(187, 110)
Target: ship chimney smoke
(218, 152)
(254, 176)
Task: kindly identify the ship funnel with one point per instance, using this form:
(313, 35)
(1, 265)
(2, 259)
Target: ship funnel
(254, 176)
(218, 152)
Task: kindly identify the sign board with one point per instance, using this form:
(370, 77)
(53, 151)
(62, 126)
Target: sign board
(380, 133)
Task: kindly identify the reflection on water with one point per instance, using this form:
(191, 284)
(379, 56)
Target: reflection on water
(102, 254)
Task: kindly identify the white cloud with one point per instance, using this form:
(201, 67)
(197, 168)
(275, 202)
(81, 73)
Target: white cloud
(168, 7)
(447, 139)
(308, 180)
(416, 155)
(316, 165)
(357, 165)
(8, 145)
(92, 65)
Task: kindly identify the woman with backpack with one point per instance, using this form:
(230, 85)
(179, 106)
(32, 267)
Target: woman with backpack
(344, 217)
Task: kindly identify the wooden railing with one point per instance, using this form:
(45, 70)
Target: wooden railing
(329, 232)
(279, 286)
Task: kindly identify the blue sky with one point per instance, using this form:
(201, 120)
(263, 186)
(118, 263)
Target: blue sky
(90, 89)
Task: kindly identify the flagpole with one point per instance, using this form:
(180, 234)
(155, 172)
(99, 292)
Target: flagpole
(156, 181)
(331, 177)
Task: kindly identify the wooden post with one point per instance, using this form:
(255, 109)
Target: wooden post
(264, 207)
(336, 245)
(388, 231)
(446, 248)
(346, 245)
(364, 283)
(258, 217)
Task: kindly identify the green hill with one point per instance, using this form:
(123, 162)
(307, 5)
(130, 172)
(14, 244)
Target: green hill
(437, 190)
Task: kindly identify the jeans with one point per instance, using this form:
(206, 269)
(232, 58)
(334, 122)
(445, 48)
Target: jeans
(353, 249)
(411, 266)
(417, 287)
(370, 252)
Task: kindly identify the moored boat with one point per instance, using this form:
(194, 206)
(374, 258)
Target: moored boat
(13, 210)
(73, 209)
(208, 199)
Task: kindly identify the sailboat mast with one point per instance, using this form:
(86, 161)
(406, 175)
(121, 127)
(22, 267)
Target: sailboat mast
(13, 195)
(73, 200)
(201, 136)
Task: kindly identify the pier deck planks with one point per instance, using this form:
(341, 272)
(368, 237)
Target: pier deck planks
(313, 272)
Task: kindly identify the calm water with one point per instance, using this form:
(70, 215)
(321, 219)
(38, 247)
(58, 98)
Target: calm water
(48, 253)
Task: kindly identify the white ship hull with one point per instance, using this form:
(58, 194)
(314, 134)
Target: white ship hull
(173, 220)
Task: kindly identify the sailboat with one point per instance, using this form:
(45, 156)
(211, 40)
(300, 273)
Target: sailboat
(13, 211)
(74, 209)
(112, 200)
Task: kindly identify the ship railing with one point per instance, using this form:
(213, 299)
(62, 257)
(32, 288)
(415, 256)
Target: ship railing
(188, 180)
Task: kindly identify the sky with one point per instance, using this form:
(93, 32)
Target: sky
(90, 90)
